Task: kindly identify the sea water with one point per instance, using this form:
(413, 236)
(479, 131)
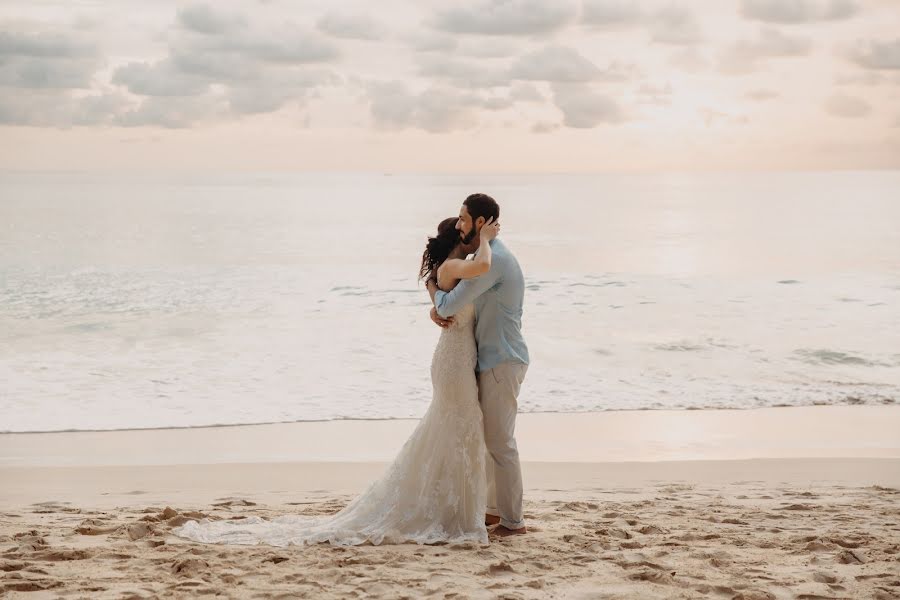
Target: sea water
(183, 300)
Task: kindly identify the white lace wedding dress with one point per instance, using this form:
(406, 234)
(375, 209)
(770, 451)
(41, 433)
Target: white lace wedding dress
(434, 491)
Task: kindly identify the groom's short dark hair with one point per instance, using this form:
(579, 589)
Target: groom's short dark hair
(482, 205)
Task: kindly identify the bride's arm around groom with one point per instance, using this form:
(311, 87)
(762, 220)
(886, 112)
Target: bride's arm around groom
(449, 303)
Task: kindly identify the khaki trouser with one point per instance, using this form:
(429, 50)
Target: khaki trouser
(498, 392)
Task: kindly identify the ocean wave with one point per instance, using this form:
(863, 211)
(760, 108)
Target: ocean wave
(836, 357)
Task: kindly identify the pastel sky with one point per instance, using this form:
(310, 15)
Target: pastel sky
(425, 86)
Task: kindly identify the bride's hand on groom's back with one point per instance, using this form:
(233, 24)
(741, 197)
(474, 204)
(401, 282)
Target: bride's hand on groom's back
(439, 320)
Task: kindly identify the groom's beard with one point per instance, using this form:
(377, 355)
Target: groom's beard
(467, 239)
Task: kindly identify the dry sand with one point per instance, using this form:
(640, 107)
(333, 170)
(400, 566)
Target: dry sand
(94, 522)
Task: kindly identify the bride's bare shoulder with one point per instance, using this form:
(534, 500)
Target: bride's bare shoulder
(458, 268)
(445, 280)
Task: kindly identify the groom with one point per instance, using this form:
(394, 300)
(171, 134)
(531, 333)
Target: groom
(502, 357)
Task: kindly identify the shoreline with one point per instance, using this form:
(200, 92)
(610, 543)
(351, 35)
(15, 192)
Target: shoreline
(610, 436)
(367, 419)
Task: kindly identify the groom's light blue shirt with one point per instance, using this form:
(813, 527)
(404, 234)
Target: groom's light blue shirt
(498, 297)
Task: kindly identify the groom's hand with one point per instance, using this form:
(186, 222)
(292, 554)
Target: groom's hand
(439, 319)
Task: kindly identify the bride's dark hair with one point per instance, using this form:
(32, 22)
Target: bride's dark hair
(439, 247)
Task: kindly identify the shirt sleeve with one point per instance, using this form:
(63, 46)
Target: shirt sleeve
(450, 303)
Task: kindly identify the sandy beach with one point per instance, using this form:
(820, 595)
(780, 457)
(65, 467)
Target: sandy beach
(771, 503)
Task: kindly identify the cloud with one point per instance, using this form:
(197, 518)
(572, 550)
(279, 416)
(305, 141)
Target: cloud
(849, 107)
(545, 127)
(25, 108)
(219, 61)
(525, 92)
(674, 24)
(196, 62)
(551, 63)
(798, 11)
(50, 108)
(506, 17)
(27, 72)
(437, 109)
(44, 44)
(584, 108)
(689, 59)
(487, 47)
(670, 23)
(867, 78)
(394, 106)
(269, 93)
(46, 60)
(264, 90)
(611, 13)
(203, 18)
(565, 65)
(40, 70)
(744, 55)
(162, 78)
(877, 55)
(95, 109)
(660, 95)
(462, 73)
(431, 42)
(287, 45)
(208, 32)
(187, 59)
(172, 112)
(350, 27)
(761, 95)
(555, 63)
(712, 117)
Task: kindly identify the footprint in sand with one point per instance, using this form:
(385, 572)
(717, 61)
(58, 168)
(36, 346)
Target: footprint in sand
(174, 518)
(189, 567)
(29, 541)
(54, 507)
(651, 530)
(799, 507)
(851, 557)
(61, 554)
(229, 502)
(29, 585)
(614, 532)
(578, 506)
(498, 568)
(821, 577)
(138, 531)
(95, 527)
(653, 577)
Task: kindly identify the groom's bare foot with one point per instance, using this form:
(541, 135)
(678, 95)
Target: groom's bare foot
(491, 520)
(503, 531)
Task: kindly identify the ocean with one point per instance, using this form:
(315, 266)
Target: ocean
(189, 300)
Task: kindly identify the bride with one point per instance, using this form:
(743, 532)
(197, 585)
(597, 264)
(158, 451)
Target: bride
(435, 489)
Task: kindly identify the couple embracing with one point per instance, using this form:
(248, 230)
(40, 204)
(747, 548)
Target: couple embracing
(458, 473)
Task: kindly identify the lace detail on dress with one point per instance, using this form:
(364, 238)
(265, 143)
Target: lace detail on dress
(434, 491)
